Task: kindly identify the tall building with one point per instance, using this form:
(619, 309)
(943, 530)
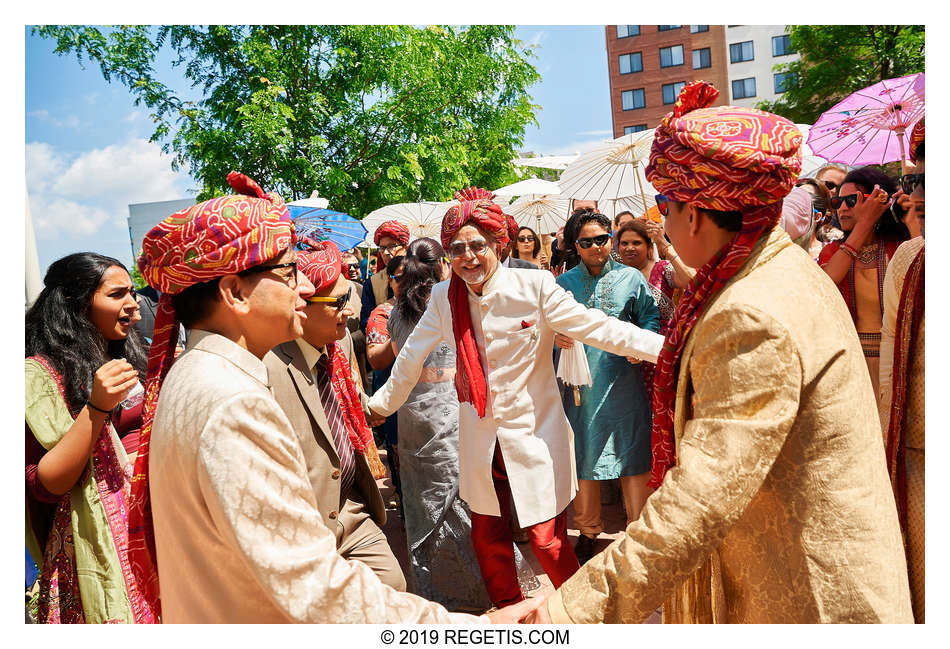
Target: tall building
(649, 64)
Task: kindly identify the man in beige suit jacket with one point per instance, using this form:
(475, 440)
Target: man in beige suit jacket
(354, 517)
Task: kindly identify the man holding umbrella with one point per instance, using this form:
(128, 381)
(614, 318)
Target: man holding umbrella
(515, 443)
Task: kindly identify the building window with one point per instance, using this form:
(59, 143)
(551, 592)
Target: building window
(739, 52)
(743, 88)
(701, 59)
(623, 31)
(783, 80)
(695, 29)
(627, 130)
(632, 99)
(671, 91)
(670, 56)
(631, 63)
(666, 28)
(782, 45)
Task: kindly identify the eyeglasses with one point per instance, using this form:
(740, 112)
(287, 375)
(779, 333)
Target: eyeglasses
(599, 240)
(663, 204)
(850, 200)
(291, 278)
(910, 182)
(353, 266)
(831, 185)
(391, 248)
(338, 302)
(526, 239)
(477, 246)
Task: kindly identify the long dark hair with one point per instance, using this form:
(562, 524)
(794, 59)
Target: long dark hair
(888, 226)
(537, 243)
(58, 326)
(419, 272)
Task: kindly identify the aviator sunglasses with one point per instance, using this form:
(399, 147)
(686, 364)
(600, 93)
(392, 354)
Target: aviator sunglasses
(338, 302)
(599, 240)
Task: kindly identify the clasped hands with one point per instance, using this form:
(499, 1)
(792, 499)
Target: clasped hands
(529, 611)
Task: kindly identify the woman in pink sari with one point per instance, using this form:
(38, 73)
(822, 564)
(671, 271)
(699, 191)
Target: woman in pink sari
(84, 368)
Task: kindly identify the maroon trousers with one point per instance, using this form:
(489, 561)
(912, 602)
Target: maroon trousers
(494, 544)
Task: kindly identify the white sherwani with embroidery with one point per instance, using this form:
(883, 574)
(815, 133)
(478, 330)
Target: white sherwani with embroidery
(514, 321)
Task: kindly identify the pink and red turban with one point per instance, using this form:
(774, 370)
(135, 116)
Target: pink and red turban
(320, 262)
(916, 139)
(724, 158)
(394, 229)
(512, 228)
(476, 206)
(218, 237)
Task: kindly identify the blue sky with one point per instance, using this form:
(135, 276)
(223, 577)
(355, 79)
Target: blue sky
(88, 155)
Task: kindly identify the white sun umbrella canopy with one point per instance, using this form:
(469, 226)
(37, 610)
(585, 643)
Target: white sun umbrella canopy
(612, 171)
(529, 186)
(573, 370)
(541, 213)
(811, 162)
(424, 219)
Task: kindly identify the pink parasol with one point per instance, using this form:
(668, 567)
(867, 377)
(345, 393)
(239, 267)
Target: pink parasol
(870, 126)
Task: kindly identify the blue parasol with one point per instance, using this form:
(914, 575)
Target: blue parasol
(326, 225)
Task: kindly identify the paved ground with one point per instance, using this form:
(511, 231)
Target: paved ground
(614, 523)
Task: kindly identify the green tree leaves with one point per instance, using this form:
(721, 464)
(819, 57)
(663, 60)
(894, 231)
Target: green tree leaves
(368, 115)
(837, 60)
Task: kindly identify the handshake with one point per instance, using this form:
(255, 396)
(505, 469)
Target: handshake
(533, 610)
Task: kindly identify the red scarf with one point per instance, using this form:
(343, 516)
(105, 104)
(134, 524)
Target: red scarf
(723, 158)
(910, 313)
(342, 381)
(470, 382)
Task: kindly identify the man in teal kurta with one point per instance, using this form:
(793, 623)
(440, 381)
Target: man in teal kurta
(612, 424)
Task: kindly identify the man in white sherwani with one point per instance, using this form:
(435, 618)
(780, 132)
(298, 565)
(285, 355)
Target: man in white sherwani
(503, 323)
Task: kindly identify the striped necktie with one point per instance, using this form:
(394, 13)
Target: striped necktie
(341, 438)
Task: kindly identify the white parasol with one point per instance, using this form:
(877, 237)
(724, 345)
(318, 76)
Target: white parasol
(424, 219)
(559, 162)
(612, 171)
(314, 200)
(529, 186)
(810, 162)
(542, 213)
(573, 369)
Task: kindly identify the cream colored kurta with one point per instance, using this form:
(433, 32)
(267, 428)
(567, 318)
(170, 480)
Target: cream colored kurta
(913, 417)
(238, 534)
(524, 411)
(780, 508)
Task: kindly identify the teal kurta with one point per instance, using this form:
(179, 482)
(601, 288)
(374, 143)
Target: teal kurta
(612, 425)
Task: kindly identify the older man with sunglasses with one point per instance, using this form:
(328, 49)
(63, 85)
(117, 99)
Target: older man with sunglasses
(515, 443)
(773, 503)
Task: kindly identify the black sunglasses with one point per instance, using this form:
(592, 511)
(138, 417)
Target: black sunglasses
(525, 238)
(338, 302)
(599, 240)
(264, 269)
(910, 182)
(850, 200)
(830, 185)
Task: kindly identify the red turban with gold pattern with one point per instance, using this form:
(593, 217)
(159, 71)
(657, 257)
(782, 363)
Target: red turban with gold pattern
(218, 237)
(476, 206)
(916, 139)
(320, 262)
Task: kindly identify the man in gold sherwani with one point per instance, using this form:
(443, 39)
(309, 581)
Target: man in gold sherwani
(774, 503)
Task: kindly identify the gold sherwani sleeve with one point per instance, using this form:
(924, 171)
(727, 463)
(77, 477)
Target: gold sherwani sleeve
(253, 478)
(746, 378)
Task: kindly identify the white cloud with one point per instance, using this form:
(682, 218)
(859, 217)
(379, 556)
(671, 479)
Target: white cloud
(536, 39)
(605, 133)
(70, 121)
(81, 194)
(570, 148)
(134, 115)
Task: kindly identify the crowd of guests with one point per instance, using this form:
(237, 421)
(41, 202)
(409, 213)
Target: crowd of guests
(766, 432)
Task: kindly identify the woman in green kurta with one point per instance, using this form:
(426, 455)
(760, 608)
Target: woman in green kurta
(84, 363)
(613, 421)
